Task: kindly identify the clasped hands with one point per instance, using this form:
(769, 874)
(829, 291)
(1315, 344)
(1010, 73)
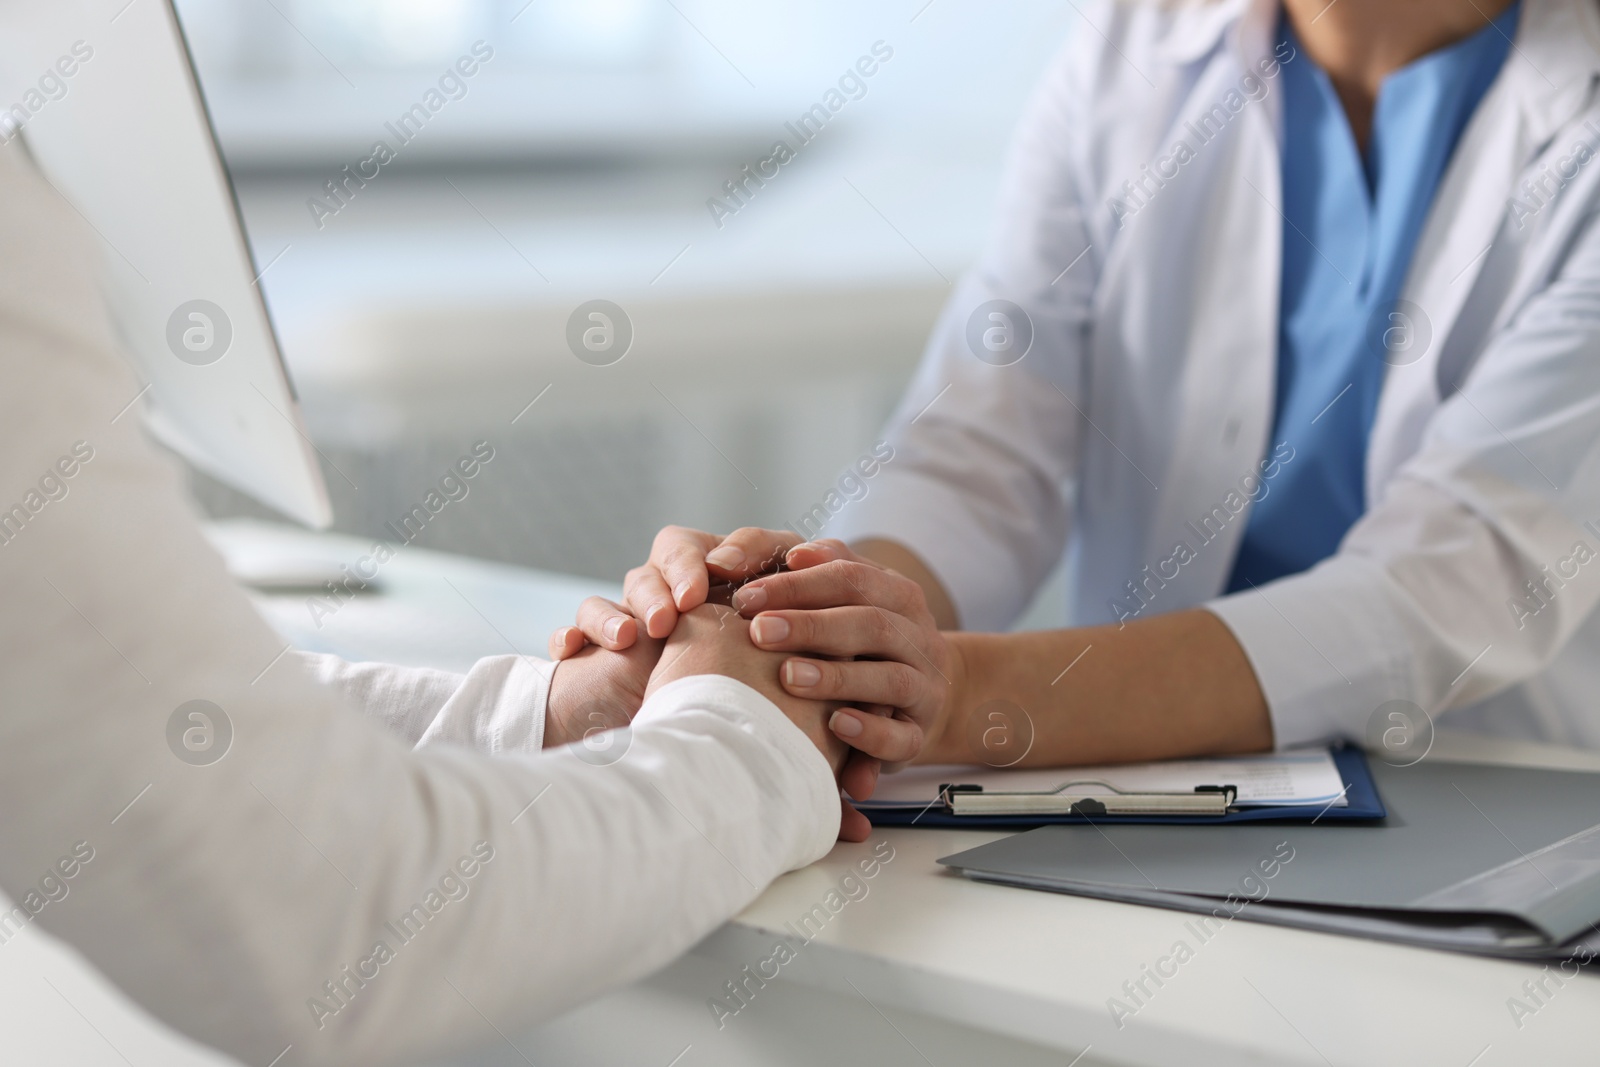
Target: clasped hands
(848, 649)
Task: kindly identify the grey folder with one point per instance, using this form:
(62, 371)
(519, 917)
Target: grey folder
(1473, 857)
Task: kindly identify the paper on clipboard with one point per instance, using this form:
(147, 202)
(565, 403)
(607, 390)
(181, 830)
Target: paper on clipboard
(1282, 779)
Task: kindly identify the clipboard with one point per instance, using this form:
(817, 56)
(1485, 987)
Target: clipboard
(964, 807)
(1487, 859)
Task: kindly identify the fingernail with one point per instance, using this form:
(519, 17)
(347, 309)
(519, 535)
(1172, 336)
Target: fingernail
(769, 630)
(682, 591)
(845, 725)
(727, 557)
(798, 672)
(614, 627)
(650, 618)
(750, 598)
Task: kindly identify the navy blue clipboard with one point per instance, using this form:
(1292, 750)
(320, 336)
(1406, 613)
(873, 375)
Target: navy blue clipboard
(1362, 805)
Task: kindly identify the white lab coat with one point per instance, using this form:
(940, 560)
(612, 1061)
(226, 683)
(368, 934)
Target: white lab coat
(1147, 395)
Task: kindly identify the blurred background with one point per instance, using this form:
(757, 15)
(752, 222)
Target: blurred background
(427, 308)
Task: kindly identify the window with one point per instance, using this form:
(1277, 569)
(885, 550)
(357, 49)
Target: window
(431, 311)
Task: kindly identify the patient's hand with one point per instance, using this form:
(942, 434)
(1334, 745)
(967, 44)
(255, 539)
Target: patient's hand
(598, 689)
(712, 639)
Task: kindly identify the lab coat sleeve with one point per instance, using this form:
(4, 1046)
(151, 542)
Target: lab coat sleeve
(284, 870)
(1479, 561)
(986, 444)
(498, 706)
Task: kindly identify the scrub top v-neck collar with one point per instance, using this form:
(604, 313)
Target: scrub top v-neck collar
(1351, 226)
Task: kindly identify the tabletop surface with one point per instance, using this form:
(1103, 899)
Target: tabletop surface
(1045, 966)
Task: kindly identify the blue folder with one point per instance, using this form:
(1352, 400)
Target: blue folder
(1362, 804)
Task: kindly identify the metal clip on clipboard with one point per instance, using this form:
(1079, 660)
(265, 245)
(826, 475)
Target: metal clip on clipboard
(972, 800)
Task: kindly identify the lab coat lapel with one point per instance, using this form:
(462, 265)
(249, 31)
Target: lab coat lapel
(1546, 80)
(1194, 286)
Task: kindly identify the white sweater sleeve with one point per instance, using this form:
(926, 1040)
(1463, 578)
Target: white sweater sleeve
(320, 884)
(498, 706)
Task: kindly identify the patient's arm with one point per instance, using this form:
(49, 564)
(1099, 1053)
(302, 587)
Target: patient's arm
(240, 890)
(501, 704)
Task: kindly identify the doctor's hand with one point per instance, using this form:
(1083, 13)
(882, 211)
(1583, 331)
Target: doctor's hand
(867, 639)
(712, 639)
(851, 608)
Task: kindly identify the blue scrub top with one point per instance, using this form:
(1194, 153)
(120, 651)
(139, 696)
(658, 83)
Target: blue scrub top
(1351, 227)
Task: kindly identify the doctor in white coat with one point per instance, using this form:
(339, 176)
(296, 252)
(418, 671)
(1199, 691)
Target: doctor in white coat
(1289, 336)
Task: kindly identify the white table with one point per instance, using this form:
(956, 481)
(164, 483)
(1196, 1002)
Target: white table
(926, 967)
